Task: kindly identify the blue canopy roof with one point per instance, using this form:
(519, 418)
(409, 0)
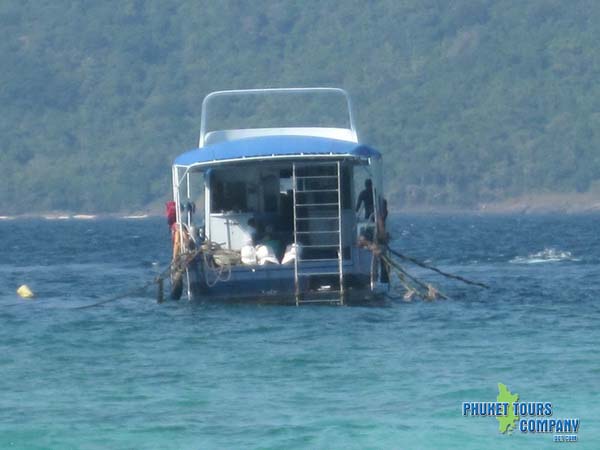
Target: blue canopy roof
(274, 146)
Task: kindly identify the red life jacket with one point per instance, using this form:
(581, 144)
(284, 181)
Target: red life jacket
(171, 213)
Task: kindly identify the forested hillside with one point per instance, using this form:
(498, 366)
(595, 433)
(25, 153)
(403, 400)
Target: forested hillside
(469, 100)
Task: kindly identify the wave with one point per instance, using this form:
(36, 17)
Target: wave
(135, 216)
(56, 217)
(84, 216)
(545, 256)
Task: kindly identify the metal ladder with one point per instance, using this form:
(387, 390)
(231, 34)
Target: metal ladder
(318, 232)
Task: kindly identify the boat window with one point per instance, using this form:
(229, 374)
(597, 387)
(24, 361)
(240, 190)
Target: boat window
(285, 184)
(271, 193)
(228, 196)
(197, 181)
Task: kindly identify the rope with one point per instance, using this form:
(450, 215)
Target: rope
(410, 290)
(413, 285)
(139, 290)
(218, 272)
(20, 303)
(435, 269)
(176, 266)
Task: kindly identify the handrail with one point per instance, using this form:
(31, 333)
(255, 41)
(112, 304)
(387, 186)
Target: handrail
(236, 92)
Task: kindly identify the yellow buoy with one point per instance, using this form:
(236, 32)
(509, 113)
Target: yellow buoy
(25, 292)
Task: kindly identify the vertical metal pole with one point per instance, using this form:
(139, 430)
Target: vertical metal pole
(207, 204)
(189, 223)
(372, 271)
(177, 199)
(376, 181)
(296, 284)
(189, 195)
(176, 191)
(340, 228)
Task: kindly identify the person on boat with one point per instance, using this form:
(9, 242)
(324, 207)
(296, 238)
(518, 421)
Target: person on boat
(253, 230)
(269, 241)
(366, 198)
(384, 210)
(383, 237)
(171, 211)
(172, 222)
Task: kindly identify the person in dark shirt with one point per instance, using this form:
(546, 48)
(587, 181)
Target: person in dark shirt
(384, 210)
(270, 241)
(366, 197)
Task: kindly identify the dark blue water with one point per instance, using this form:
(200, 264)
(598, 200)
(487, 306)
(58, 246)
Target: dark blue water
(135, 374)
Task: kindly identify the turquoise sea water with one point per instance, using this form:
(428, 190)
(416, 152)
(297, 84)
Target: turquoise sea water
(136, 374)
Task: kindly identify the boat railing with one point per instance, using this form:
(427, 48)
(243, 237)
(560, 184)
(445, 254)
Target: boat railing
(343, 133)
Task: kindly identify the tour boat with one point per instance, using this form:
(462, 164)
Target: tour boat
(270, 213)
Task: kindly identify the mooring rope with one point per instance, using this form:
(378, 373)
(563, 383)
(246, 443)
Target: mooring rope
(410, 290)
(413, 285)
(435, 269)
(175, 267)
(130, 293)
(140, 290)
(424, 290)
(216, 272)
